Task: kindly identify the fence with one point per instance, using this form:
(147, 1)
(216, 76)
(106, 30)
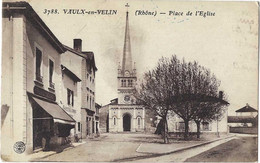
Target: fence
(244, 130)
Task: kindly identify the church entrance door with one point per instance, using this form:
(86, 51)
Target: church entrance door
(127, 122)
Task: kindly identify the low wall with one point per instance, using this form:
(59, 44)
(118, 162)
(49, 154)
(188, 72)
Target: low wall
(244, 130)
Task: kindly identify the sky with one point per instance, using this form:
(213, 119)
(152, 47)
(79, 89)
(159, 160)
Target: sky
(226, 43)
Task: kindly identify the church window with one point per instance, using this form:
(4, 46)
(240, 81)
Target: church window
(122, 83)
(139, 121)
(114, 119)
(130, 83)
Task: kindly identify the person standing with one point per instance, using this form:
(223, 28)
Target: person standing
(45, 139)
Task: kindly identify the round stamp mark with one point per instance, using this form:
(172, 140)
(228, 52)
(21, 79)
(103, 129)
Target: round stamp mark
(19, 147)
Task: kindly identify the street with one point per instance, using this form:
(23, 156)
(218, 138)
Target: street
(108, 147)
(126, 147)
(243, 149)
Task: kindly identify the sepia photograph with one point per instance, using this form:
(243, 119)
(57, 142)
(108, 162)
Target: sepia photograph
(129, 81)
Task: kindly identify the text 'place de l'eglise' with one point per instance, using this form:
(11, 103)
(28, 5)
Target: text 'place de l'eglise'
(49, 93)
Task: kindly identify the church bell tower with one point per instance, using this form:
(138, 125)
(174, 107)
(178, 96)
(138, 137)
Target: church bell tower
(126, 72)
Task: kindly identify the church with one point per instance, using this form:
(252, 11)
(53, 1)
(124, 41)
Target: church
(123, 114)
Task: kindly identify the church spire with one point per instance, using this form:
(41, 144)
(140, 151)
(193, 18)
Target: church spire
(127, 57)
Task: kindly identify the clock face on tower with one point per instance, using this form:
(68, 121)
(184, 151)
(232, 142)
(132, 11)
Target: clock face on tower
(127, 98)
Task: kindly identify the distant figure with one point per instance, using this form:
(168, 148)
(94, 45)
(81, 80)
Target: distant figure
(160, 128)
(45, 139)
(76, 137)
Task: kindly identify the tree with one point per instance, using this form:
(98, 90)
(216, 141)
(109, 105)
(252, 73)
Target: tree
(208, 112)
(196, 94)
(155, 92)
(181, 87)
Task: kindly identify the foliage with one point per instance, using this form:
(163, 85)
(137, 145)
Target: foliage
(188, 89)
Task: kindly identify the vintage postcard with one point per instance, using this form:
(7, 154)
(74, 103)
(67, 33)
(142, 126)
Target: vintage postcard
(129, 81)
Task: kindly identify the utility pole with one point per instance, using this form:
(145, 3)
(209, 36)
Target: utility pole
(217, 128)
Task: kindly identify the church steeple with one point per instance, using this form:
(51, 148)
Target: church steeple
(127, 56)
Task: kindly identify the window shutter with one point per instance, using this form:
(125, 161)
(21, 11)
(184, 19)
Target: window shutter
(68, 96)
(72, 98)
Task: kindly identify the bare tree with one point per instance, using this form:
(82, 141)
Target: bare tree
(181, 87)
(208, 112)
(155, 92)
(196, 94)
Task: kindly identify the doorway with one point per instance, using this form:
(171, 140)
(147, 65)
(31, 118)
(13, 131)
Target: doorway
(127, 122)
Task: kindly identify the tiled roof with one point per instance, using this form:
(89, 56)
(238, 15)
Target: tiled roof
(247, 108)
(73, 76)
(88, 55)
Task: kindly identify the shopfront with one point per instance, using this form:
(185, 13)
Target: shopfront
(51, 124)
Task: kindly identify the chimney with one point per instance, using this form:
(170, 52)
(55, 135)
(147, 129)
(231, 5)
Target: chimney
(221, 95)
(78, 45)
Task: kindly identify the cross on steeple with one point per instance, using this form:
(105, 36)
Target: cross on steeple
(127, 5)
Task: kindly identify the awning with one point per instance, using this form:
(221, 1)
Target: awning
(58, 114)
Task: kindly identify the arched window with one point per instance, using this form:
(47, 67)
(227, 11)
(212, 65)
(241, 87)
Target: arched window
(139, 121)
(114, 120)
(130, 83)
(122, 83)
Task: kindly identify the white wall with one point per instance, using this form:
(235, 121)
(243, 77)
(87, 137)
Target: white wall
(74, 63)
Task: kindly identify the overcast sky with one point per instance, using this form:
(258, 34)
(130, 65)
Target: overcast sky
(225, 43)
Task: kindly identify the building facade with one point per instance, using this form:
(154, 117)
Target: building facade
(122, 114)
(48, 89)
(31, 82)
(83, 65)
(176, 124)
(245, 117)
(247, 111)
(71, 98)
(97, 106)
